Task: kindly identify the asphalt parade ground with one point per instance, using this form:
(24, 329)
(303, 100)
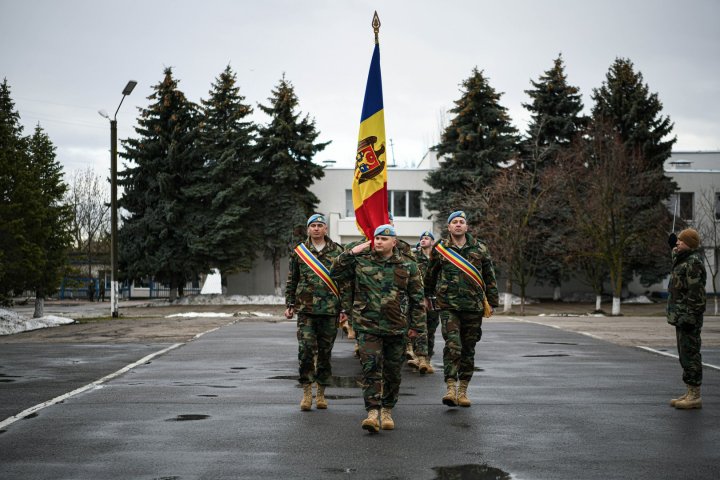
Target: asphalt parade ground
(548, 403)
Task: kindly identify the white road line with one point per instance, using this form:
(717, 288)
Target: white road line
(38, 407)
(671, 355)
(96, 383)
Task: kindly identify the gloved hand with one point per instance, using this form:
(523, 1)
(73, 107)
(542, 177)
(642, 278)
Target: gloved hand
(672, 240)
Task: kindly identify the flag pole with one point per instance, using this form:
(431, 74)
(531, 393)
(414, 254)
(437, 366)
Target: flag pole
(376, 26)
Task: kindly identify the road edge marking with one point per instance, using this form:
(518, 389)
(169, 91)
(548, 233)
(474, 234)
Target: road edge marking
(10, 420)
(671, 355)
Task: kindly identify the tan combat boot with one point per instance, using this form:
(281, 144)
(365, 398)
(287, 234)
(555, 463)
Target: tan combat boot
(350, 331)
(371, 423)
(306, 402)
(450, 398)
(320, 401)
(462, 398)
(386, 419)
(693, 399)
(423, 364)
(409, 354)
(414, 360)
(430, 368)
(681, 397)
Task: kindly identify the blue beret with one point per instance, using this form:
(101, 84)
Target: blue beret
(456, 214)
(427, 233)
(316, 218)
(385, 230)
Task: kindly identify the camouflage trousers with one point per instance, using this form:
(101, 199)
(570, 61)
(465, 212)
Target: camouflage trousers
(461, 331)
(424, 343)
(381, 357)
(688, 345)
(316, 337)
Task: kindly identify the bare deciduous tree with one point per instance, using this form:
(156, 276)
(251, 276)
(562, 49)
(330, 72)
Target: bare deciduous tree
(708, 225)
(89, 198)
(604, 182)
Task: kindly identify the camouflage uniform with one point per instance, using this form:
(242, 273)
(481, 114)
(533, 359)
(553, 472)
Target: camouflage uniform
(460, 301)
(317, 310)
(380, 324)
(685, 308)
(433, 318)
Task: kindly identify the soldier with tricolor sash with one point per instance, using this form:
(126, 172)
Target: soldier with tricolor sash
(313, 295)
(462, 278)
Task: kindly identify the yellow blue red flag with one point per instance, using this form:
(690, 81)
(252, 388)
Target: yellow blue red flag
(369, 189)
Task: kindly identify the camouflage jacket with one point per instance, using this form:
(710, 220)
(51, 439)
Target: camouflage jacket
(422, 260)
(378, 288)
(304, 289)
(406, 250)
(453, 288)
(686, 289)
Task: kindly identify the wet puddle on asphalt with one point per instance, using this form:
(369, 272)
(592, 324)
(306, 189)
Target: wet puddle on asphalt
(548, 355)
(187, 417)
(471, 472)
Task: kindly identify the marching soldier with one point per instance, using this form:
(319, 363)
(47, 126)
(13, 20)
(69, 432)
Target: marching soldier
(381, 278)
(422, 254)
(462, 277)
(314, 296)
(685, 308)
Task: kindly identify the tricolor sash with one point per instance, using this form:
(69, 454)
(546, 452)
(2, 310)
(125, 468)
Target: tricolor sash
(467, 268)
(311, 261)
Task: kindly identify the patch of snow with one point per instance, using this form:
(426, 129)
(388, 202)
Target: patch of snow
(12, 322)
(515, 300)
(219, 299)
(199, 314)
(642, 299)
(253, 314)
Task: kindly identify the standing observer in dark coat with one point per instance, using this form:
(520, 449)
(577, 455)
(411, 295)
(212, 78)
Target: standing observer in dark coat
(686, 305)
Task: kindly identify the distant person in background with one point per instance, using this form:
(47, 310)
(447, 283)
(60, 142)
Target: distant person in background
(685, 308)
(314, 296)
(102, 290)
(91, 291)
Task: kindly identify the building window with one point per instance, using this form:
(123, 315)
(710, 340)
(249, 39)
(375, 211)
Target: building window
(349, 208)
(681, 204)
(405, 203)
(401, 203)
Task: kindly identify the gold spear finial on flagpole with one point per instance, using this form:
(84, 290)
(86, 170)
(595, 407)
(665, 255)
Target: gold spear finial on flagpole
(376, 26)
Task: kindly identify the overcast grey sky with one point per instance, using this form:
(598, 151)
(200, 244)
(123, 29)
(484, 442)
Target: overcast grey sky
(66, 59)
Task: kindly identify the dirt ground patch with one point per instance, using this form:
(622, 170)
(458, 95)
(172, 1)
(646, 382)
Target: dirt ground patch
(143, 323)
(152, 322)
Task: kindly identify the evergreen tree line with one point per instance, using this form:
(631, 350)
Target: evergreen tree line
(34, 219)
(204, 187)
(576, 195)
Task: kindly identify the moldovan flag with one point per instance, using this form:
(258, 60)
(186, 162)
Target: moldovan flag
(369, 189)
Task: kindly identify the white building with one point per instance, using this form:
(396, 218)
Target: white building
(696, 173)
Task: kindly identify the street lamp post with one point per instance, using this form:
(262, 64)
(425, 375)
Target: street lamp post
(114, 290)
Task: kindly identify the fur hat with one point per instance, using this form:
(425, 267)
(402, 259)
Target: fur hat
(690, 237)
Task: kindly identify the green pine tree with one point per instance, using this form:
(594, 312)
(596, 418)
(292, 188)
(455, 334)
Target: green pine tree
(286, 147)
(478, 140)
(49, 223)
(159, 228)
(625, 101)
(229, 236)
(16, 252)
(556, 119)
